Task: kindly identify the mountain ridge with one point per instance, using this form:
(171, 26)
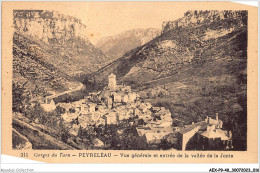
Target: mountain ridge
(116, 45)
(194, 70)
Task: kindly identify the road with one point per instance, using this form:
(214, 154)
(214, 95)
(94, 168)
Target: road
(78, 88)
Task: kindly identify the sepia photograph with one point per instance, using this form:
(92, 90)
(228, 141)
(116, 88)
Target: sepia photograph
(131, 83)
(170, 83)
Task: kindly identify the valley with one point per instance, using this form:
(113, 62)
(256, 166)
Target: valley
(196, 67)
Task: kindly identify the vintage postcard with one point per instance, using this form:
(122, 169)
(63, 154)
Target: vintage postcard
(130, 82)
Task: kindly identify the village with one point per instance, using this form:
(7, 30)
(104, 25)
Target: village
(116, 104)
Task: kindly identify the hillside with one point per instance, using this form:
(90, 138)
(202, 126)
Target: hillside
(196, 67)
(117, 45)
(50, 50)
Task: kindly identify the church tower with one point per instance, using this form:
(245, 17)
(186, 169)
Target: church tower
(112, 82)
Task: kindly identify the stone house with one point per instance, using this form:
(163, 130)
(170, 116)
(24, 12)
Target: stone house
(165, 124)
(136, 112)
(85, 120)
(101, 108)
(114, 105)
(68, 117)
(155, 136)
(204, 135)
(124, 88)
(145, 106)
(214, 139)
(156, 109)
(109, 102)
(96, 117)
(145, 115)
(78, 109)
(131, 97)
(48, 104)
(91, 107)
(101, 121)
(141, 130)
(124, 98)
(117, 98)
(218, 123)
(185, 134)
(110, 118)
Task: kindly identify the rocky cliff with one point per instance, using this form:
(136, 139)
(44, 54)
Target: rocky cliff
(199, 17)
(48, 25)
(51, 50)
(117, 45)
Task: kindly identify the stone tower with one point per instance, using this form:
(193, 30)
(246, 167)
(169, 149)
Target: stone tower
(112, 81)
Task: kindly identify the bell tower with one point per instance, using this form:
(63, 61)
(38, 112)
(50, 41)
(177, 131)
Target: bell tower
(112, 81)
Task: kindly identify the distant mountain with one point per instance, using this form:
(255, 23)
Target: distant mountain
(117, 45)
(196, 67)
(51, 49)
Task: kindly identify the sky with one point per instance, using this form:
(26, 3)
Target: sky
(109, 18)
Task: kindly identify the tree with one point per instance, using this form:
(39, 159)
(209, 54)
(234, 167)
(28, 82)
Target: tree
(141, 122)
(60, 110)
(19, 96)
(63, 131)
(72, 110)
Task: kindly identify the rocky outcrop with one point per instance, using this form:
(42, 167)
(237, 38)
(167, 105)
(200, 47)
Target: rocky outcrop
(199, 17)
(48, 25)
